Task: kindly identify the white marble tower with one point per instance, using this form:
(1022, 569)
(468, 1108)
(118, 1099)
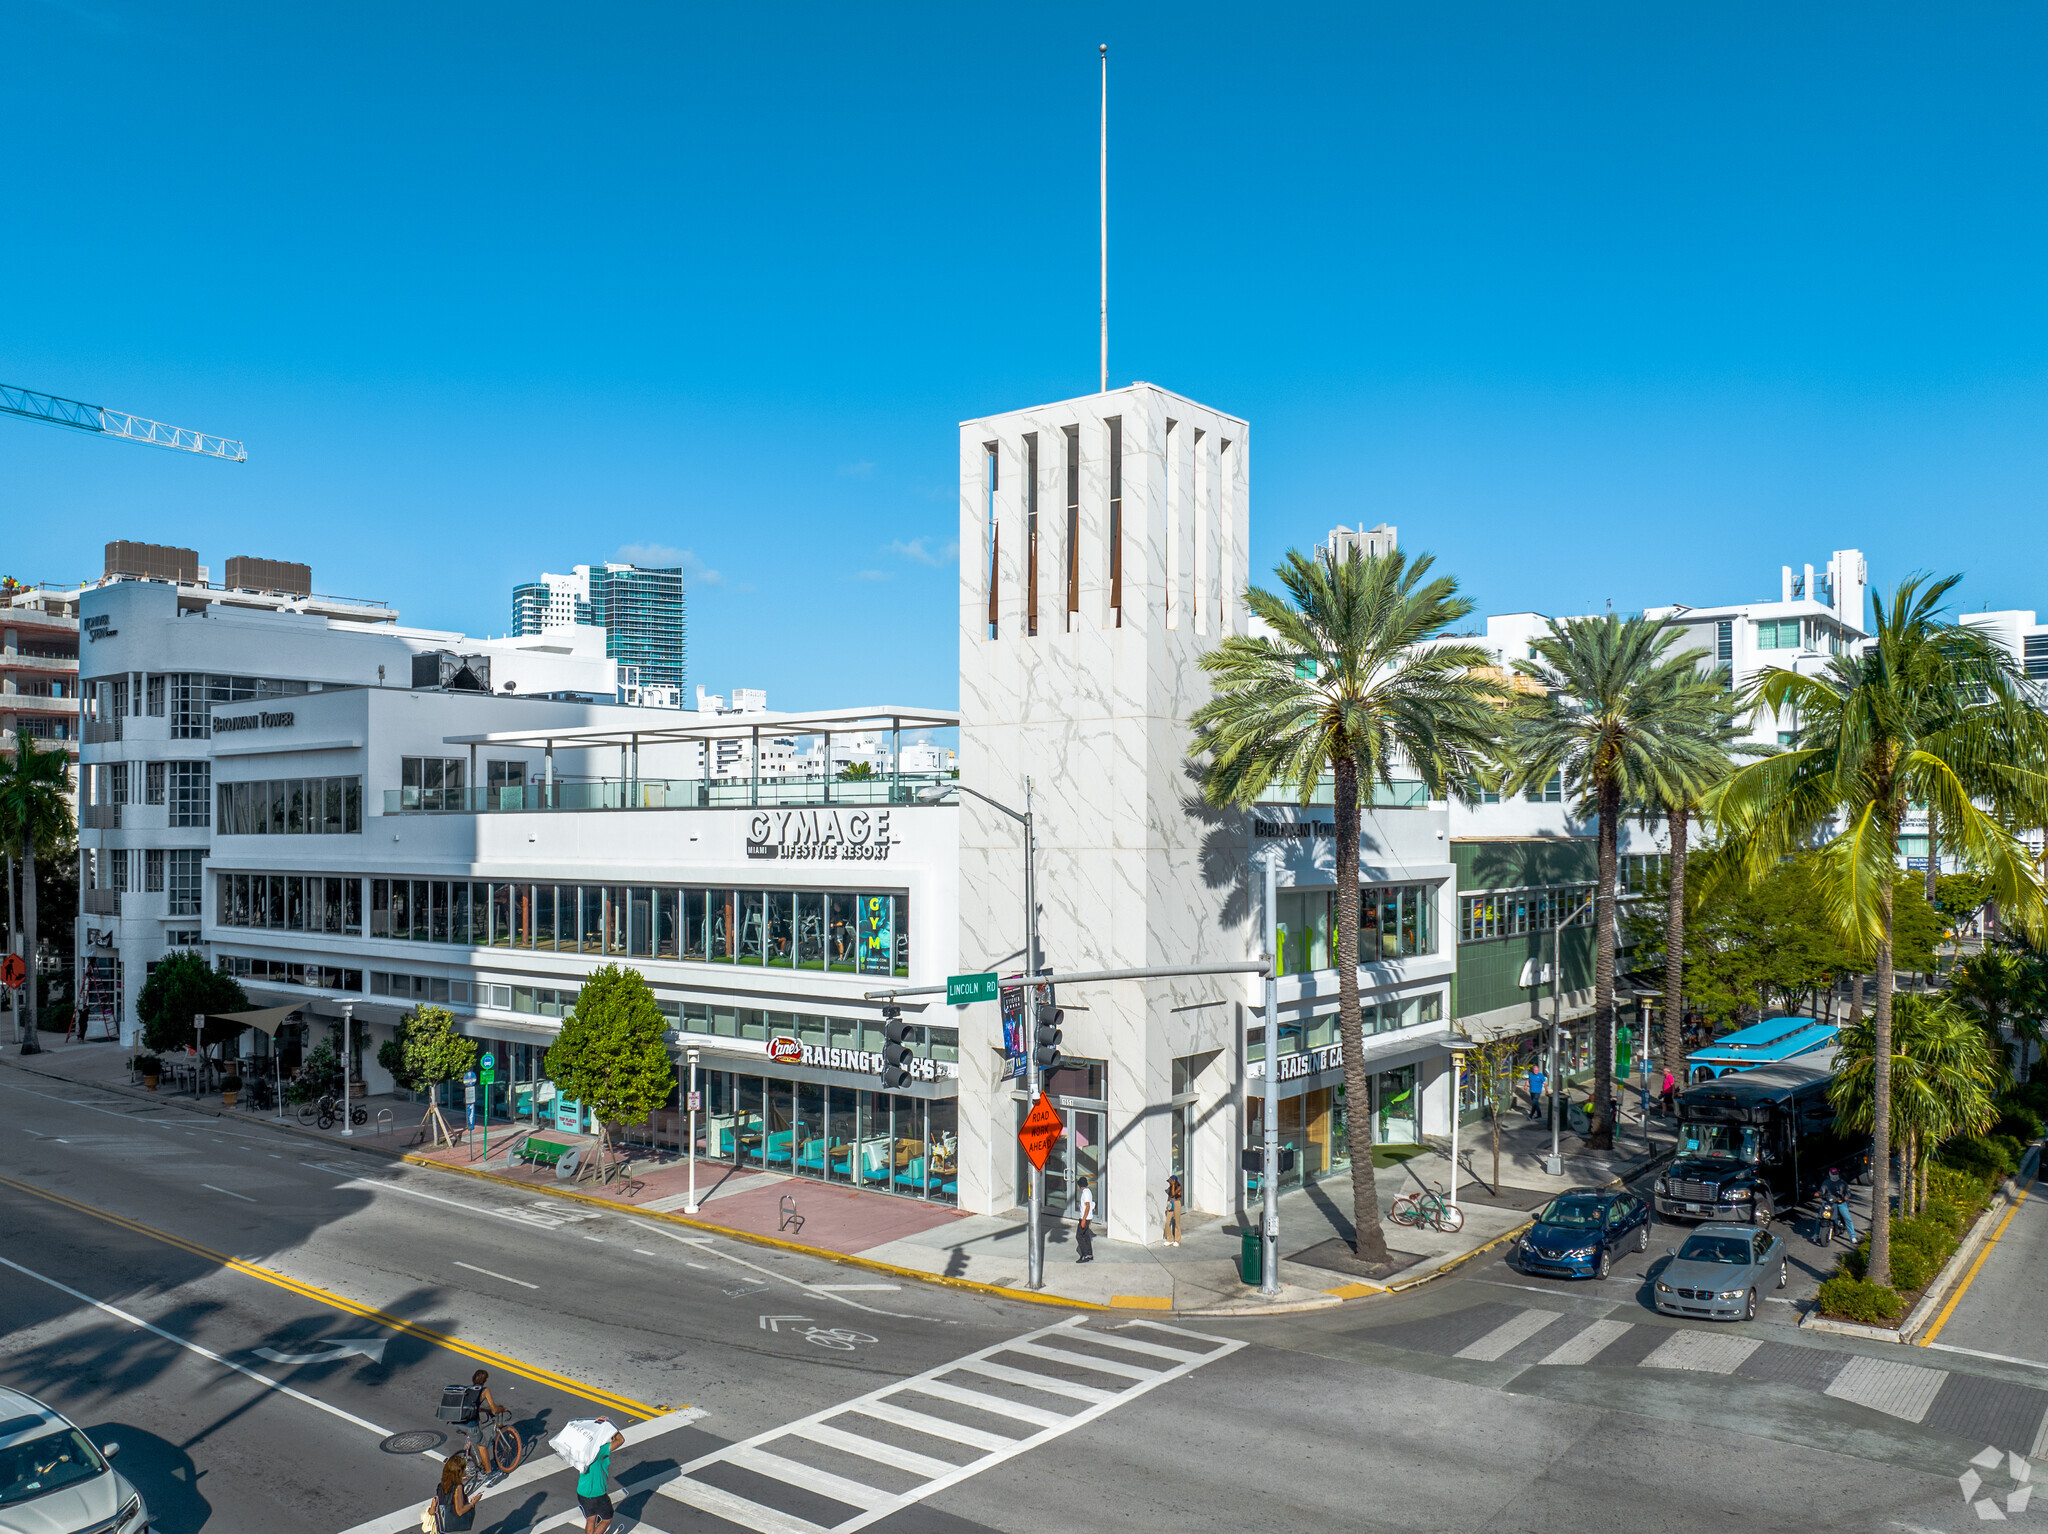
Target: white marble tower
(1102, 551)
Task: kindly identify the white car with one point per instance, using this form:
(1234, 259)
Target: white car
(53, 1481)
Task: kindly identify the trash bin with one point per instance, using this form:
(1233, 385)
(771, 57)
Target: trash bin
(1251, 1257)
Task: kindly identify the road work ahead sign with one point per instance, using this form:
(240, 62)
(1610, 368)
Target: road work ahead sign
(1042, 1126)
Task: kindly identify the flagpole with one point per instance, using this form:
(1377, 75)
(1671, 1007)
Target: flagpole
(1105, 218)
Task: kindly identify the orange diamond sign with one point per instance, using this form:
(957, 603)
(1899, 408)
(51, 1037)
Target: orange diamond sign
(1042, 1126)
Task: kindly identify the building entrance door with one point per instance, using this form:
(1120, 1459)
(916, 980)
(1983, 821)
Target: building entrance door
(1077, 1153)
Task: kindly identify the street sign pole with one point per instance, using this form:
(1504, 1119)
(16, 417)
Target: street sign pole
(348, 1018)
(1034, 1258)
(690, 1102)
(490, 1074)
(1269, 1256)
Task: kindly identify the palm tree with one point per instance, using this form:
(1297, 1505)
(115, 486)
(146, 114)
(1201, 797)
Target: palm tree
(32, 809)
(1942, 1076)
(1346, 686)
(1996, 986)
(1929, 711)
(1622, 721)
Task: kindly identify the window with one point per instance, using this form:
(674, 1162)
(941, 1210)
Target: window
(431, 783)
(1510, 913)
(117, 783)
(115, 873)
(1778, 634)
(1073, 436)
(191, 788)
(155, 692)
(1031, 533)
(194, 697)
(1116, 520)
(1481, 794)
(153, 783)
(1788, 738)
(1551, 792)
(284, 806)
(153, 871)
(1724, 642)
(2035, 654)
(184, 879)
(992, 456)
(1643, 873)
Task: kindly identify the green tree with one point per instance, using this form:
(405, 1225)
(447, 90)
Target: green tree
(2002, 991)
(612, 1052)
(1622, 721)
(425, 1051)
(856, 772)
(34, 812)
(1941, 1079)
(1961, 896)
(182, 986)
(1348, 686)
(1931, 712)
(1492, 1064)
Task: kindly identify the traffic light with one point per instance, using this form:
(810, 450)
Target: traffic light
(1047, 1037)
(895, 1049)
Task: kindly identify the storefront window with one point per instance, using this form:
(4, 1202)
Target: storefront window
(782, 928)
(778, 1148)
(693, 924)
(842, 1130)
(501, 915)
(1304, 931)
(810, 929)
(640, 922)
(877, 935)
(809, 1125)
(1394, 1120)
(719, 930)
(841, 932)
(753, 929)
(942, 1161)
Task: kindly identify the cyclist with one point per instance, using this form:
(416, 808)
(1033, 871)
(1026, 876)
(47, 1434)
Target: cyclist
(483, 1427)
(1834, 1192)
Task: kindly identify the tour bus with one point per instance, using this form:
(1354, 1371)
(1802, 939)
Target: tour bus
(1755, 1142)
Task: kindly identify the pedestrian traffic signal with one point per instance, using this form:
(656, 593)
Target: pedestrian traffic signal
(1047, 1037)
(895, 1049)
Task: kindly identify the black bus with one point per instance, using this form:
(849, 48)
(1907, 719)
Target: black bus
(1753, 1143)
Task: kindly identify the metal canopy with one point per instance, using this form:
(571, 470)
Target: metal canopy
(269, 1019)
(718, 727)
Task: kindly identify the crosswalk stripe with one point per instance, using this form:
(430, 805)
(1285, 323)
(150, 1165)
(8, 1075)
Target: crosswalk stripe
(1589, 1343)
(1898, 1390)
(1703, 1353)
(995, 1405)
(1033, 1381)
(1151, 1349)
(1082, 1360)
(838, 1487)
(1509, 1334)
(881, 1453)
(723, 1504)
(2040, 1449)
(935, 1427)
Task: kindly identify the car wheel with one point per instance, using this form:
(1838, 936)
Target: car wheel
(1643, 1238)
(1749, 1308)
(1781, 1275)
(1605, 1264)
(1761, 1213)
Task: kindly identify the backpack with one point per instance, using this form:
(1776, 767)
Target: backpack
(459, 1403)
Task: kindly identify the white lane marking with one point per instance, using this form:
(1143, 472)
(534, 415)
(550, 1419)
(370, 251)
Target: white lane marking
(371, 1348)
(757, 1453)
(1510, 1333)
(823, 1291)
(36, 1132)
(1898, 1390)
(641, 1252)
(704, 1265)
(1701, 1352)
(857, 1288)
(408, 1517)
(453, 1203)
(1583, 1348)
(598, 1239)
(204, 1352)
(231, 1194)
(1997, 1358)
(487, 1273)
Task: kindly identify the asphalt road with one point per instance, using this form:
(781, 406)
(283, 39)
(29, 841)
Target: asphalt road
(333, 1294)
(2000, 1313)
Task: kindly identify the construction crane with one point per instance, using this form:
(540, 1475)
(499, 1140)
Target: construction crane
(116, 423)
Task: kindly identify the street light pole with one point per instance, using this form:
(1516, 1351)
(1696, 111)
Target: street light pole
(691, 1103)
(1269, 1223)
(348, 1123)
(1555, 1166)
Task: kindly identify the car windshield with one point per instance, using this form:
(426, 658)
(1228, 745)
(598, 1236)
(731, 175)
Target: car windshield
(38, 1466)
(1737, 1140)
(1730, 1249)
(1573, 1213)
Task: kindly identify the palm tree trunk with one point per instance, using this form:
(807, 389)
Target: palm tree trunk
(30, 1045)
(1933, 857)
(1370, 1242)
(1602, 1135)
(1674, 946)
(1880, 1271)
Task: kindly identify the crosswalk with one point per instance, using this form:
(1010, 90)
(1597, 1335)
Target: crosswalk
(918, 1436)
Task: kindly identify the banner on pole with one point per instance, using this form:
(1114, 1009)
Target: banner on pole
(1016, 1045)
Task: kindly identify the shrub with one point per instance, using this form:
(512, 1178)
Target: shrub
(1911, 1268)
(2033, 1095)
(2017, 1119)
(1981, 1157)
(231, 1083)
(149, 1065)
(1852, 1299)
(2011, 1151)
(1968, 1192)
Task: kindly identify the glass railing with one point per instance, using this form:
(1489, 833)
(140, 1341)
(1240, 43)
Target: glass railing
(667, 794)
(1401, 794)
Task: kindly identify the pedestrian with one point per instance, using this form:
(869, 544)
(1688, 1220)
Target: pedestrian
(593, 1487)
(1669, 1093)
(1536, 1080)
(1084, 1239)
(452, 1505)
(1173, 1209)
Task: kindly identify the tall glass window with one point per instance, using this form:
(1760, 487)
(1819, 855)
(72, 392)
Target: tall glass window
(615, 919)
(842, 932)
(781, 928)
(753, 945)
(666, 926)
(694, 924)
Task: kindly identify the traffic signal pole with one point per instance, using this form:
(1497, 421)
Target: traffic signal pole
(1034, 1079)
(1269, 1181)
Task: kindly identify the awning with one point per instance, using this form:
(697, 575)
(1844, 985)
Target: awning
(266, 1018)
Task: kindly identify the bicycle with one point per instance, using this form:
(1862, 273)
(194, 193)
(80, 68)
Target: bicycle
(325, 1110)
(506, 1448)
(1431, 1207)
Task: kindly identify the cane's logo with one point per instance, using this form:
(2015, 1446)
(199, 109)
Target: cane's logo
(784, 1050)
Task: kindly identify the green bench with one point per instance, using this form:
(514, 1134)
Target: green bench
(542, 1153)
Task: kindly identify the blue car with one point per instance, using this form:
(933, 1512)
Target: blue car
(1577, 1233)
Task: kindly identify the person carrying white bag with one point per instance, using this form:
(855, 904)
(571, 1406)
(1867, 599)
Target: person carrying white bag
(584, 1445)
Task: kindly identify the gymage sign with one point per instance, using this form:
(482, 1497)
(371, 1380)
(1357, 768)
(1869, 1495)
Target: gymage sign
(845, 835)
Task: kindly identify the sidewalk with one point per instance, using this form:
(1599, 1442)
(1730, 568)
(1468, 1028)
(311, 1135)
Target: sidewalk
(905, 1236)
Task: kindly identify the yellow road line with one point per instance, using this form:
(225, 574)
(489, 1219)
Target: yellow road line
(1970, 1277)
(326, 1297)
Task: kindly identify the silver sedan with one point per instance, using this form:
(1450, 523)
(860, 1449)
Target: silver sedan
(1719, 1273)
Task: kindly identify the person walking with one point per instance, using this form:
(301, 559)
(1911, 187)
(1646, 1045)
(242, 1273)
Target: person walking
(593, 1488)
(1536, 1080)
(1084, 1239)
(452, 1505)
(1173, 1195)
(1669, 1093)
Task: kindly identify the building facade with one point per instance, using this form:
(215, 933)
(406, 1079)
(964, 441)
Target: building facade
(39, 641)
(643, 612)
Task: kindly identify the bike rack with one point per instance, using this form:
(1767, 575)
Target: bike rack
(383, 1121)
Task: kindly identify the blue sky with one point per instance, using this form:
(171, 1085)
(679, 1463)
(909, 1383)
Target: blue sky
(1594, 301)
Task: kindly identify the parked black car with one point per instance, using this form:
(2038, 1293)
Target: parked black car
(1577, 1233)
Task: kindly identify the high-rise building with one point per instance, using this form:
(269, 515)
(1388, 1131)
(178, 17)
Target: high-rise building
(640, 610)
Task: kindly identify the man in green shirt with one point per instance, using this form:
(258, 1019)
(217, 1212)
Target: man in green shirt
(591, 1488)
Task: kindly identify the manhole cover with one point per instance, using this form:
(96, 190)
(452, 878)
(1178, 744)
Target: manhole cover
(413, 1443)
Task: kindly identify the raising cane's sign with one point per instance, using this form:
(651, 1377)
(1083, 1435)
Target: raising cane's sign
(784, 1050)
